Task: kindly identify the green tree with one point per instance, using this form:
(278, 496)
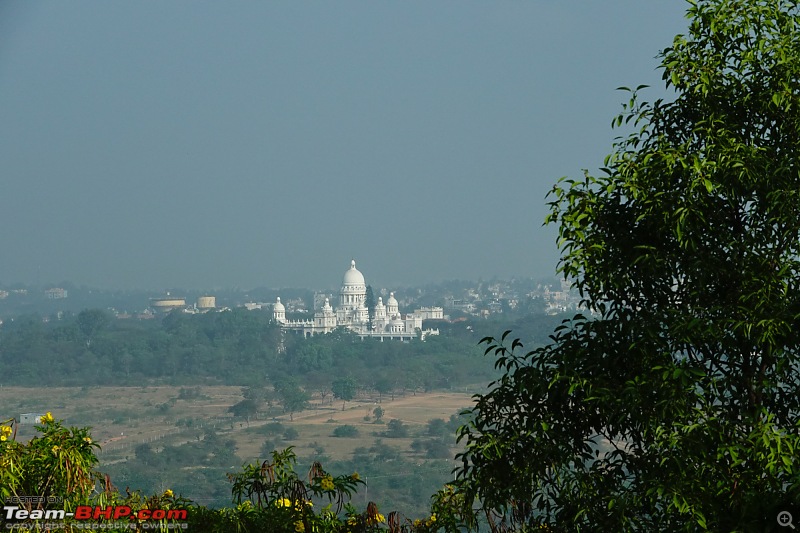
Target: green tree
(344, 389)
(369, 303)
(675, 407)
(396, 429)
(292, 396)
(90, 322)
(345, 431)
(384, 385)
(247, 409)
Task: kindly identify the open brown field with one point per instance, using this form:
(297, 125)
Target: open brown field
(124, 417)
(315, 425)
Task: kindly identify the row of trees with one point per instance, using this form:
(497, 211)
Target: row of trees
(238, 347)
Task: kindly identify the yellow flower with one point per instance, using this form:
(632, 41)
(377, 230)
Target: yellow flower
(167, 493)
(55, 449)
(46, 418)
(3, 438)
(433, 517)
(327, 483)
(376, 520)
(299, 526)
(354, 476)
(283, 502)
(6, 430)
(87, 440)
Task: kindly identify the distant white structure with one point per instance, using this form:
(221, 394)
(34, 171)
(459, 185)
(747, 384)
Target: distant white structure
(30, 418)
(206, 303)
(351, 313)
(165, 304)
(430, 313)
(56, 293)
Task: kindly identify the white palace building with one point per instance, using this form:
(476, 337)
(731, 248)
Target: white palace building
(352, 314)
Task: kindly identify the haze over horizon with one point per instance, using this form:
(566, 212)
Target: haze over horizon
(204, 144)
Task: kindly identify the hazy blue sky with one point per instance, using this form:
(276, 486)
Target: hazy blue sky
(207, 144)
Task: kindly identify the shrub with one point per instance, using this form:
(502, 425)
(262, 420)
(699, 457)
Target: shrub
(273, 428)
(345, 431)
(268, 447)
(396, 429)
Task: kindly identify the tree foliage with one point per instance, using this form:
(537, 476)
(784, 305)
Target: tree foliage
(369, 303)
(675, 406)
(247, 409)
(294, 398)
(54, 472)
(236, 347)
(90, 322)
(344, 389)
(396, 429)
(59, 463)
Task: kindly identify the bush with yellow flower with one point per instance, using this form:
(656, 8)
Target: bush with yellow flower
(60, 463)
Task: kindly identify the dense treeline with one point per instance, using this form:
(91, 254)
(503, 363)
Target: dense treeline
(93, 348)
(235, 347)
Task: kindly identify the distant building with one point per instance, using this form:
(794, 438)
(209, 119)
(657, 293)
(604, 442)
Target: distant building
(351, 313)
(56, 293)
(206, 303)
(459, 304)
(430, 313)
(30, 418)
(167, 303)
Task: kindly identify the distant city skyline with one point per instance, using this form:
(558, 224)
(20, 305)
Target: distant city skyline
(206, 144)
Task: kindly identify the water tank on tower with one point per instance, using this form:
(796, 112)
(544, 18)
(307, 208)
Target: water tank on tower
(206, 302)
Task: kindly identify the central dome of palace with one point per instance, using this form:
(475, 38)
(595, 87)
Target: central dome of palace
(353, 276)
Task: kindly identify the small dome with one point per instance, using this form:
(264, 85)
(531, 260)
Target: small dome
(353, 276)
(327, 306)
(391, 301)
(380, 303)
(278, 305)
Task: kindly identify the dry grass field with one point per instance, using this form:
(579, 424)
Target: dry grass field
(124, 417)
(315, 425)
